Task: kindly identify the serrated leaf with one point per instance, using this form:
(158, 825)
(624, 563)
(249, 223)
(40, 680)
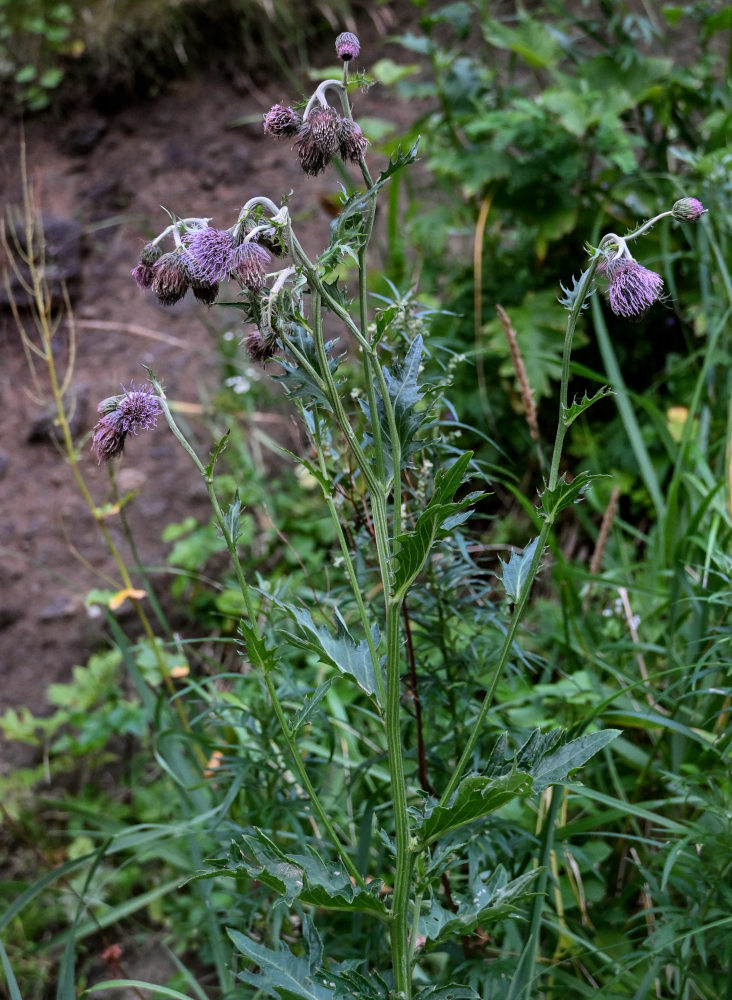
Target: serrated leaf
(402, 386)
(297, 381)
(516, 571)
(451, 992)
(255, 647)
(565, 494)
(306, 877)
(492, 899)
(218, 449)
(398, 160)
(557, 765)
(350, 984)
(232, 520)
(475, 797)
(281, 974)
(310, 705)
(437, 520)
(571, 413)
(569, 299)
(340, 650)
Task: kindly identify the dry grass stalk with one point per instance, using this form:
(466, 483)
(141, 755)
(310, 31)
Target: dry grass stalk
(527, 395)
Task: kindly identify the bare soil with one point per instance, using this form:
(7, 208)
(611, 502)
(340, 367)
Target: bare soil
(111, 174)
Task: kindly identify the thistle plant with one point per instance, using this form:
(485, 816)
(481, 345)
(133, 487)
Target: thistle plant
(375, 448)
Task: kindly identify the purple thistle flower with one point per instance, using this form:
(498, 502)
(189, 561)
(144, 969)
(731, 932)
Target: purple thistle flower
(210, 255)
(632, 288)
(135, 410)
(347, 46)
(250, 264)
(259, 347)
(281, 121)
(688, 210)
(171, 278)
(352, 143)
(318, 139)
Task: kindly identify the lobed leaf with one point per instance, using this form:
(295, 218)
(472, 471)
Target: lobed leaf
(475, 797)
(281, 974)
(516, 571)
(565, 493)
(436, 521)
(576, 409)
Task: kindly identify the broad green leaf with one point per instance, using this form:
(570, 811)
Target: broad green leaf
(340, 650)
(570, 413)
(557, 765)
(281, 974)
(476, 796)
(565, 494)
(492, 899)
(451, 992)
(436, 521)
(306, 877)
(516, 571)
(350, 984)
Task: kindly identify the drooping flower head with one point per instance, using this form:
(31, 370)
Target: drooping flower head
(347, 46)
(688, 210)
(270, 237)
(352, 143)
(171, 278)
(632, 289)
(281, 121)
(132, 411)
(250, 264)
(143, 272)
(210, 255)
(318, 139)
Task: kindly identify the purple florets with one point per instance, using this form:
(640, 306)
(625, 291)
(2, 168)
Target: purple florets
(688, 210)
(347, 46)
(210, 254)
(135, 410)
(632, 288)
(143, 273)
(281, 121)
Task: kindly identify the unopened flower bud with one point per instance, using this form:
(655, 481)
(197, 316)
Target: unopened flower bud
(352, 143)
(688, 210)
(318, 139)
(143, 273)
(281, 121)
(206, 293)
(171, 278)
(347, 46)
(250, 263)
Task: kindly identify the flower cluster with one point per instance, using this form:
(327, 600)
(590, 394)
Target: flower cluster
(132, 411)
(203, 258)
(321, 132)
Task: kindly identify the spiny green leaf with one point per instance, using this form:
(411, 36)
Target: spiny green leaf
(357, 202)
(570, 413)
(475, 797)
(557, 765)
(402, 386)
(310, 705)
(552, 501)
(297, 380)
(232, 520)
(437, 520)
(451, 992)
(341, 651)
(281, 974)
(516, 570)
(220, 446)
(306, 877)
(492, 899)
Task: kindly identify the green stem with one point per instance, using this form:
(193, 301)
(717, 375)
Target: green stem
(520, 605)
(295, 757)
